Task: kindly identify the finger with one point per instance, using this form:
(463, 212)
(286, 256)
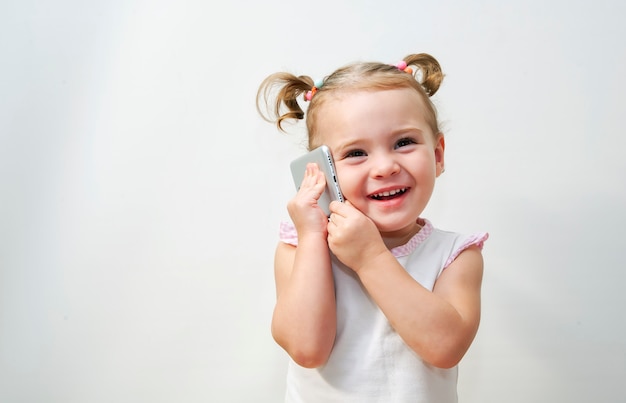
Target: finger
(309, 172)
(335, 206)
(315, 173)
(313, 177)
(342, 209)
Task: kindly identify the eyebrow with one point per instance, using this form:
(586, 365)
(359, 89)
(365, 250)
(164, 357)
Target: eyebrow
(341, 148)
(409, 130)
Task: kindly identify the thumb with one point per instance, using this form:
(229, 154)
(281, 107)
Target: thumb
(351, 206)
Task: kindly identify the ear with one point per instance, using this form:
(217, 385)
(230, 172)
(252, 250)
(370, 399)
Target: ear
(440, 146)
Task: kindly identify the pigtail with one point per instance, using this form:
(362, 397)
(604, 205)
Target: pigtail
(282, 105)
(431, 75)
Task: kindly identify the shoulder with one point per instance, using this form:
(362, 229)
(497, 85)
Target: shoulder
(455, 243)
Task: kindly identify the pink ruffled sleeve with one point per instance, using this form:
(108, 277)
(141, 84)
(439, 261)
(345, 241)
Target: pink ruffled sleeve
(477, 239)
(287, 233)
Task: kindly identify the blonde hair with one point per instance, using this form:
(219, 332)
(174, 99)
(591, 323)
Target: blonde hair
(283, 105)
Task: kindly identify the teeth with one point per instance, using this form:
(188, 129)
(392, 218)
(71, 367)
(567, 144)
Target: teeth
(389, 193)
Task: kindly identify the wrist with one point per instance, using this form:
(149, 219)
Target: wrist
(312, 236)
(374, 260)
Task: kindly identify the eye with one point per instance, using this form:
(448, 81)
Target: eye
(355, 153)
(405, 142)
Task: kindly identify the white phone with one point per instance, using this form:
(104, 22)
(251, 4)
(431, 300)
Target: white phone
(324, 159)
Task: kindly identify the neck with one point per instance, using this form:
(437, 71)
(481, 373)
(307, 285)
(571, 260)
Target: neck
(395, 239)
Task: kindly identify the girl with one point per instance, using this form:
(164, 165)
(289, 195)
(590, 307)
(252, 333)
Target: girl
(373, 304)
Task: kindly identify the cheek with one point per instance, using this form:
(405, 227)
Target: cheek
(428, 162)
(348, 181)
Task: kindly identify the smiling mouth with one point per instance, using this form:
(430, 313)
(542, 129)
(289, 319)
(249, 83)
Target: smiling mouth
(389, 195)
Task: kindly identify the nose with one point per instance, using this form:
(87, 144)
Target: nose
(384, 165)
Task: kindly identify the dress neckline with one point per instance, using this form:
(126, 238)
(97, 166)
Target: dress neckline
(411, 245)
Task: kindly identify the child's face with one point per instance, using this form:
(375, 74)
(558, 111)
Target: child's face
(387, 157)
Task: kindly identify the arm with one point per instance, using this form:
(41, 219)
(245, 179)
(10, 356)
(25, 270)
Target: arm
(304, 319)
(439, 325)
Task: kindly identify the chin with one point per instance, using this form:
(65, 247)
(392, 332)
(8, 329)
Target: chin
(390, 226)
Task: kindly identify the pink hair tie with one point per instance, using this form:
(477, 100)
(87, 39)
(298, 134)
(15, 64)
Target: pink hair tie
(309, 94)
(403, 67)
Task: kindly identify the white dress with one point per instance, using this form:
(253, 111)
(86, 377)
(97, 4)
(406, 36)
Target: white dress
(369, 361)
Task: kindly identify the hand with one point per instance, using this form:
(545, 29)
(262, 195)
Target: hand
(306, 214)
(352, 236)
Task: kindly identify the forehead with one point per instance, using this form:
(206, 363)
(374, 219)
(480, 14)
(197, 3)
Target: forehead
(368, 112)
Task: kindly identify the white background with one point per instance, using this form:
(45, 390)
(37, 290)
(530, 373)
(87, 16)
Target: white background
(140, 192)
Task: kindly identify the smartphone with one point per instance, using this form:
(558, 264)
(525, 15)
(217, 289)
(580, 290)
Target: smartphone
(324, 159)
